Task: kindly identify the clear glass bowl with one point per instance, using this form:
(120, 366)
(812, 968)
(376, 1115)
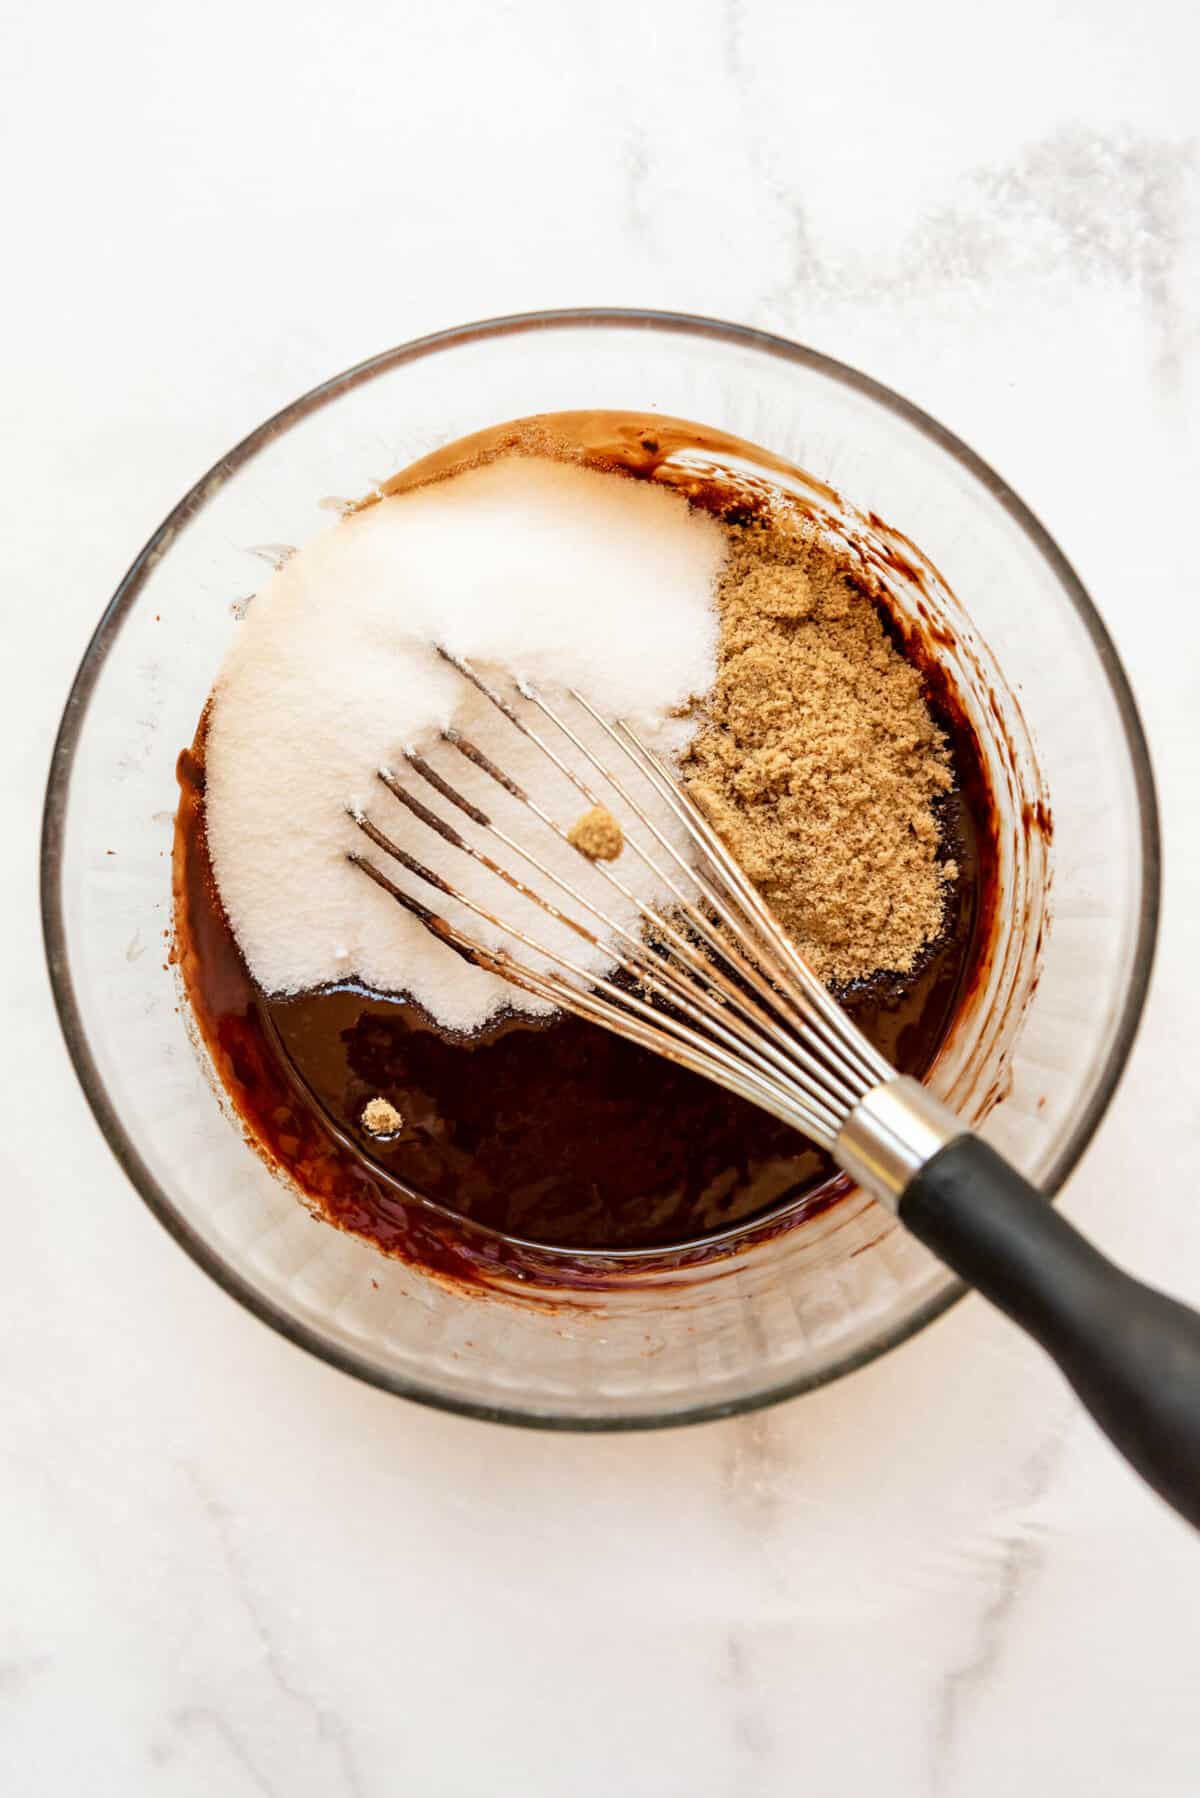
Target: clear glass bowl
(1034, 1060)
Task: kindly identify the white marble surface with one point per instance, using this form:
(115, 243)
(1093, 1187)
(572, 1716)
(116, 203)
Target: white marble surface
(225, 1569)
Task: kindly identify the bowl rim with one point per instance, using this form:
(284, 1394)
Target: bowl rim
(121, 604)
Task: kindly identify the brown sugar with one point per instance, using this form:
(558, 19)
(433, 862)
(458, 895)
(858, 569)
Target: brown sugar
(819, 763)
(379, 1117)
(597, 835)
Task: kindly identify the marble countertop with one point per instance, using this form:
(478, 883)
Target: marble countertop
(227, 1569)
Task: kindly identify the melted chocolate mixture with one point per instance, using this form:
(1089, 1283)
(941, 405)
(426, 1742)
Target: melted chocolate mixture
(552, 1131)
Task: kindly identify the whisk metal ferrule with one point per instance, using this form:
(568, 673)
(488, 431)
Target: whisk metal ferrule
(893, 1131)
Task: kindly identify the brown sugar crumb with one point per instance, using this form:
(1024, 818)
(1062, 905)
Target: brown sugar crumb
(597, 835)
(379, 1117)
(820, 765)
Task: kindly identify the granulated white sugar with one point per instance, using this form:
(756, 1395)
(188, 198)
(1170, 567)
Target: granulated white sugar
(528, 567)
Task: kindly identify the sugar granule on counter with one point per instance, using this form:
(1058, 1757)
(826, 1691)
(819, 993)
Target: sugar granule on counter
(820, 765)
(597, 835)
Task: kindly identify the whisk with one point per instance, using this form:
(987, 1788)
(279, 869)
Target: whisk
(712, 982)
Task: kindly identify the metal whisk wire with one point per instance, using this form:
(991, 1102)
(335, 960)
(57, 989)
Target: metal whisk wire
(718, 986)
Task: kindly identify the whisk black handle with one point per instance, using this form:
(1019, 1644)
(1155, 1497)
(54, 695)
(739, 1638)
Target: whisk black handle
(1131, 1353)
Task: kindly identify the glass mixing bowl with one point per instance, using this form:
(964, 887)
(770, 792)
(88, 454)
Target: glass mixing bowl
(1034, 1059)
